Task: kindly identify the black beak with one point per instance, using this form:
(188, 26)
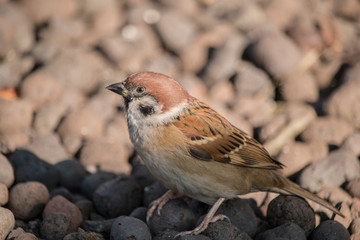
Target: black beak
(119, 88)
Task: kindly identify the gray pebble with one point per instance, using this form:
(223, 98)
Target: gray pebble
(240, 214)
(103, 227)
(224, 230)
(117, 197)
(125, 228)
(330, 230)
(28, 167)
(291, 209)
(175, 215)
(85, 206)
(28, 199)
(55, 226)
(153, 192)
(4, 194)
(93, 181)
(285, 231)
(62, 192)
(7, 172)
(139, 213)
(7, 222)
(333, 170)
(72, 174)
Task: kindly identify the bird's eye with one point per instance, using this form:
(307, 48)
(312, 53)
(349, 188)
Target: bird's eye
(140, 89)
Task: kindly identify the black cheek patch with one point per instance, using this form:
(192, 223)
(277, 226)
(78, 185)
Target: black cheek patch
(146, 110)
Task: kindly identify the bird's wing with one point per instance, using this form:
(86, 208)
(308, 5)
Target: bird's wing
(212, 138)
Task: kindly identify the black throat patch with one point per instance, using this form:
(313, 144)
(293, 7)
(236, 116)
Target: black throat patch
(146, 110)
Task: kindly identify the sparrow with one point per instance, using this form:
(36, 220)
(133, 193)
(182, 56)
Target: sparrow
(194, 151)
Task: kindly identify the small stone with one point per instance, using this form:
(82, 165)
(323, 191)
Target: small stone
(344, 103)
(7, 222)
(106, 154)
(353, 187)
(352, 143)
(327, 129)
(72, 174)
(224, 230)
(28, 167)
(59, 204)
(300, 88)
(40, 87)
(176, 30)
(125, 228)
(47, 117)
(55, 226)
(61, 191)
(127, 198)
(85, 206)
(276, 53)
(139, 213)
(285, 231)
(101, 226)
(26, 236)
(355, 226)
(291, 209)
(81, 123)
(240, 214)
(15, 115)
(153, 192)
(48, 148)
(15, 232)
(222, 66)
(330, 230)
(7, 172)
(82, 234)
(141, 175)
(252, 81)
(93, 181)
(339, 166)
(4, 194)
(175, 215)
(296, 155)
(28, 199)
(355, 208)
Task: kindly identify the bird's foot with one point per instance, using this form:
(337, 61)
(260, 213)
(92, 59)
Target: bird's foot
(209, 218)
(203, 225)
(159, 203)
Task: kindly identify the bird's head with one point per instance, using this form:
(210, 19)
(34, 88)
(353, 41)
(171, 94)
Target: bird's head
(151, 94)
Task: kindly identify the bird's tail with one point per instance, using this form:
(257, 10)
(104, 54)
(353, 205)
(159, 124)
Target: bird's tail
(294, 189)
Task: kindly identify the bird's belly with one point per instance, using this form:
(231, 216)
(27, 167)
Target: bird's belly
(195, 178)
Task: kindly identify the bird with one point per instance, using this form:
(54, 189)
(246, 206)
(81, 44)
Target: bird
(194, 151)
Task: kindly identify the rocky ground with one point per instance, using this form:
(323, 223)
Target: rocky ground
(287, 72)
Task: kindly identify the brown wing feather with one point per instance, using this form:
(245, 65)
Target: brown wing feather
(212, 137)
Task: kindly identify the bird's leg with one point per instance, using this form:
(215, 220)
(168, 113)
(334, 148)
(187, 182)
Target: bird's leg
(160, 202)
(209, 218)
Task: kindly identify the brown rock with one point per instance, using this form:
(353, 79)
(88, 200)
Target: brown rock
(40, 87)
(48, 148)
(252, 81)
(7, 222)
(15, 116)
(352, 143)
(329, 130)
(28, 199)
(83, 123)
(345, 210)
(176, 30)
(297, 155)
(48, 117)
(353, 187)
(355, 226)
(106, 154)
(13, 140)
(355, 208)
(344, 103)
(7, 172)
(4, 194)
(302, 87)
(26, 236)
(339, 166)
(275, 53)
(59, 204)
(349, 9)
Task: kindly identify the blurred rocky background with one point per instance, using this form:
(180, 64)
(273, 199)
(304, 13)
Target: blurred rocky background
(286, 72)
